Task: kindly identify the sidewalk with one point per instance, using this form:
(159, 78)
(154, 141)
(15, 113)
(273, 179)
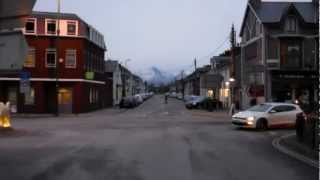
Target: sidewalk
(289, 145)
(101, 112)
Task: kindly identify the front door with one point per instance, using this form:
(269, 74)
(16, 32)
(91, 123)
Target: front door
(65, 100)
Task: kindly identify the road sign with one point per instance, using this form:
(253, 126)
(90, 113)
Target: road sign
(25, 82)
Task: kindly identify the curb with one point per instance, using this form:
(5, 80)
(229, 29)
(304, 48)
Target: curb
(276, 144)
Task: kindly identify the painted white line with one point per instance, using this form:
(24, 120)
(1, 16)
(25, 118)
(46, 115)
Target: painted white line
(276, 144)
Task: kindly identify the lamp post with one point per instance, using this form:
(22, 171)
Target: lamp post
(57, 60)
(232, 81)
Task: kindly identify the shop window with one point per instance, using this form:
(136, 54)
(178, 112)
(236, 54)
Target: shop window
(71, 58)
(31, 58)
(72, 28)
(51, 27)
(51, 58)
(29, 98)
(31, 26)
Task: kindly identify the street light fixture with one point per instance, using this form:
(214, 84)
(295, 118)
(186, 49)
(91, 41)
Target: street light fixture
(57, 58)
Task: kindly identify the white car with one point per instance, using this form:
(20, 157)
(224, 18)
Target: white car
(266, 115)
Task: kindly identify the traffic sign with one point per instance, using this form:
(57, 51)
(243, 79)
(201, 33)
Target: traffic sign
(25, 82)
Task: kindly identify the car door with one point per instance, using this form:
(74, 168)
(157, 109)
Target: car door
(277, 116)
(290, 113)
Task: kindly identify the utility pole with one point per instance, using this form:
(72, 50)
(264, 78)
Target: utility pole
(182, 83)
(195, 64)
(57, 58)
(233, 42)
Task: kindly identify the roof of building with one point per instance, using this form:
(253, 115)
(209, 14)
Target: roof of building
(54, 15)
(111, 65)
(272, 12)
(71, 16)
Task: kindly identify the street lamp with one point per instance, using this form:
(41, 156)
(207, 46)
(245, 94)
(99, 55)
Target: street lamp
(232, 80)
(57, 58)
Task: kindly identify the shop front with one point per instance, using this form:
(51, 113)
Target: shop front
(294, 87)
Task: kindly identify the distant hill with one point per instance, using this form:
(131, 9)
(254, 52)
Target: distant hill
(156, 76)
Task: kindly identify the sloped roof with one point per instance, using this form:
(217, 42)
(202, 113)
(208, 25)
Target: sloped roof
(272, 12)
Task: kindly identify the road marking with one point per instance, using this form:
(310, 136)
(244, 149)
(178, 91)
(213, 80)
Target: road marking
(276, 144)
(272, 133)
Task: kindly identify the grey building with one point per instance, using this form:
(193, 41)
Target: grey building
(279, 52)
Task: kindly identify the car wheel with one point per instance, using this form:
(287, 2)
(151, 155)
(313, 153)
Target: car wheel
(262, 124)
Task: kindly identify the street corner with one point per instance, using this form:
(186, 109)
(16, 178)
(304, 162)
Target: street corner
(289, 145)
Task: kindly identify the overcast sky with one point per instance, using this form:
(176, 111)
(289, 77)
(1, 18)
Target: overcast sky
(167, 34)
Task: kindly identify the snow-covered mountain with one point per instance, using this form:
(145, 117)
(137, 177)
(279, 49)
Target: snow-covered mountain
(156, 76)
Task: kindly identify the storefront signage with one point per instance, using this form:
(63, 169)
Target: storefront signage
(89, 75)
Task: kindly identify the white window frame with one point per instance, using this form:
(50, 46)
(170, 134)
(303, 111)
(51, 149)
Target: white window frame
(46, 28)
(34, 58)
(76, 28)
(35, 26)
(55, 52)
(75, 58)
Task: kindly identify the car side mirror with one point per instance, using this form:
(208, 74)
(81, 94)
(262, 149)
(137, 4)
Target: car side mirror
(272, 111)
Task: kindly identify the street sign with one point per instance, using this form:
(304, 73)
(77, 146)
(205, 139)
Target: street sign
(25, 82)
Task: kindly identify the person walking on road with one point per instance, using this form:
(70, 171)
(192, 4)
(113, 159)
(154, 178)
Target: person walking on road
(166, 98)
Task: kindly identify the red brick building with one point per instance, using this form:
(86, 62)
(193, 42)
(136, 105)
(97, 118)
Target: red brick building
(78, 54)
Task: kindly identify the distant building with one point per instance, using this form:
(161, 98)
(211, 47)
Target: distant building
(114, 68)
(280, 51)
(79, 55)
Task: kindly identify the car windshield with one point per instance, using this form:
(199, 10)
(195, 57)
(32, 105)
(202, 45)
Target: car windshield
(260, 108)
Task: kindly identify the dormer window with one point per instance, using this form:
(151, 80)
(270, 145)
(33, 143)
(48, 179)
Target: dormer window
(31, 26)
(291, 24)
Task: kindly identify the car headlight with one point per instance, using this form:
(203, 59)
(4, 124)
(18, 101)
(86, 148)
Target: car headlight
(250, 118)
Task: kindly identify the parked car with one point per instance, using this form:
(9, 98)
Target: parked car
(266, 115)
(180, 96)
(128, 102)
(173, 95)
(139, 99)
(194, 102)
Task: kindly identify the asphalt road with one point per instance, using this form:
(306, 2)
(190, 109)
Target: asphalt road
(155, 141)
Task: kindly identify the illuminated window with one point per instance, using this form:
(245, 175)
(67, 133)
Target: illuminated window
(71, 58)
(31, 58)
(226, 92)
(210, 93)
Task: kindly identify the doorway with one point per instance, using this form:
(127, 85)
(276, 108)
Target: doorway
(65, 100)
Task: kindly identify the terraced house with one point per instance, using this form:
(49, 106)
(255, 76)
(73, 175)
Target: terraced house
(279, 52)
(77, 65)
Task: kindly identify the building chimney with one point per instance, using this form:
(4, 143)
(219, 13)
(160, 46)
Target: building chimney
(255, 3)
